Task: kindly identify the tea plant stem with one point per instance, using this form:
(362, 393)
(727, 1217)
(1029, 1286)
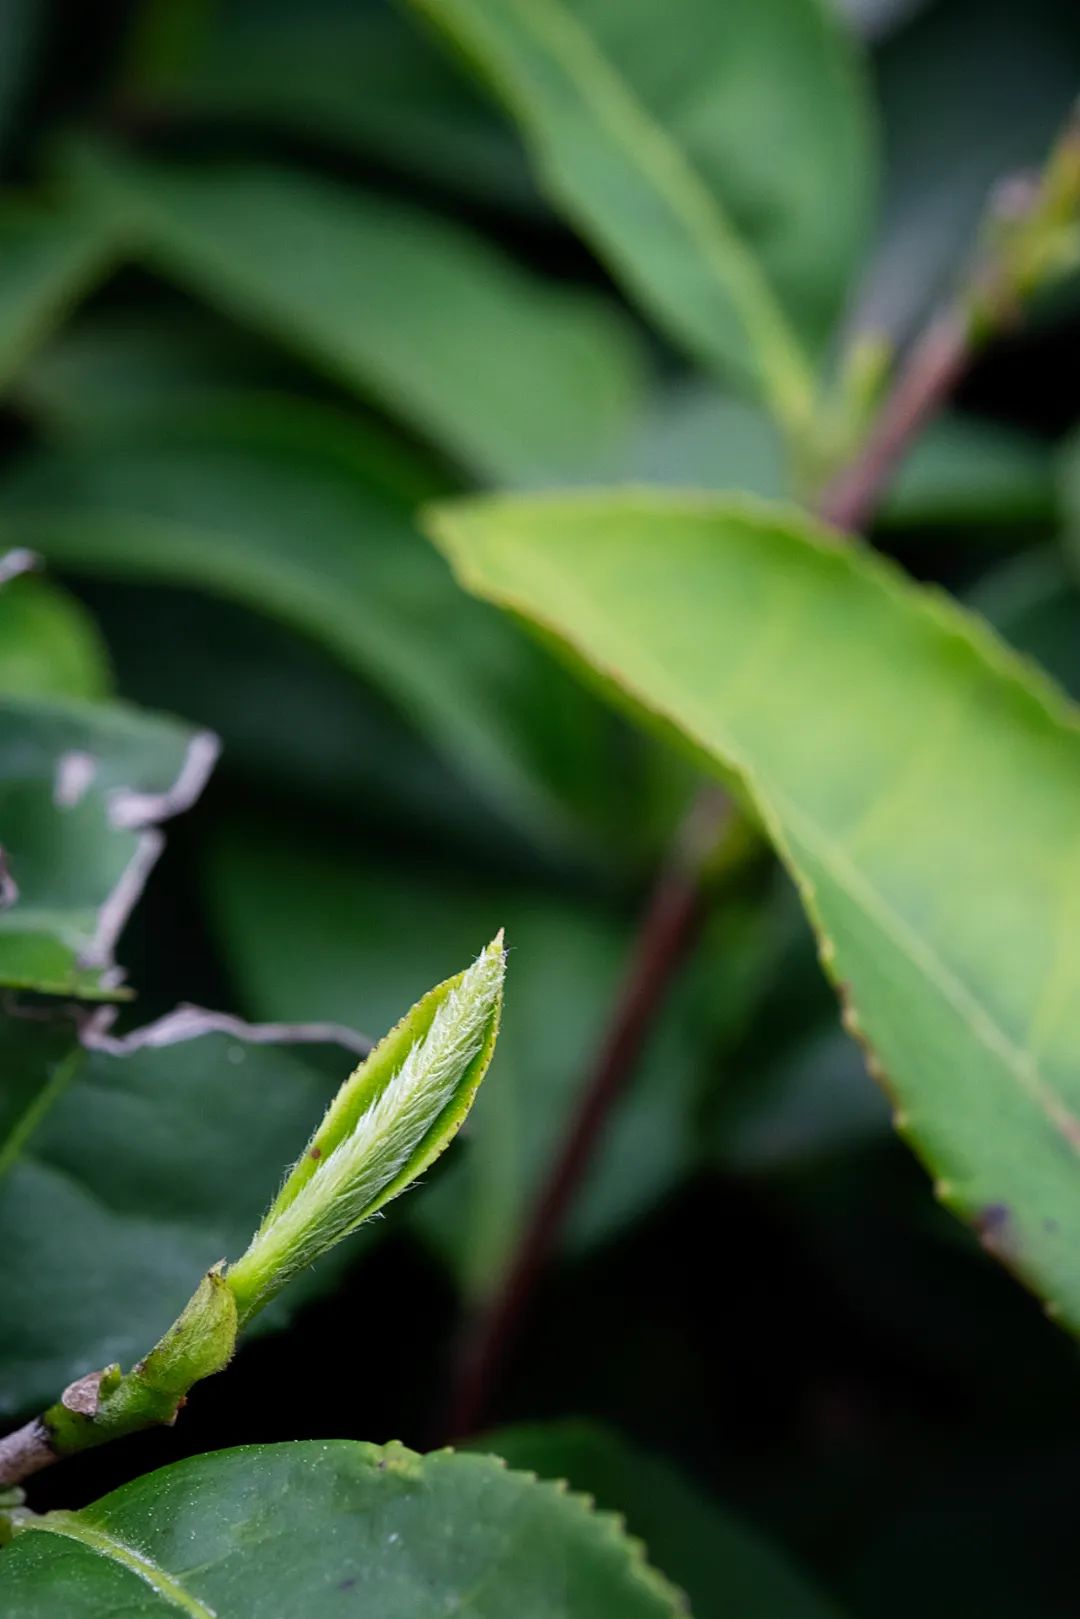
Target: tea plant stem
(662, 943)
(937, 362)
(24, 1452)
(1031, 236)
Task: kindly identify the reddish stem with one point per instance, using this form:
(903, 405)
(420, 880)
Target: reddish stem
(662, 943)
(934, 367)
(669, 924)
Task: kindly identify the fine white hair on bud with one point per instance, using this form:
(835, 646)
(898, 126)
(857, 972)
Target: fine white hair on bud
(344, 1189)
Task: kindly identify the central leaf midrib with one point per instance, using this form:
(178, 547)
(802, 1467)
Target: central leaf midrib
(781, 813)
(163, 1584)
(784, 368)
(939, 976)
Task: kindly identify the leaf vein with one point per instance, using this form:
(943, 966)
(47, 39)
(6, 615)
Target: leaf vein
(164, 1584)
(659, 159)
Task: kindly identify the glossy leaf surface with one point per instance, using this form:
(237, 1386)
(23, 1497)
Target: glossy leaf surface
(123, 1178)
(49, 646)
(920, 781)
(340, 1529)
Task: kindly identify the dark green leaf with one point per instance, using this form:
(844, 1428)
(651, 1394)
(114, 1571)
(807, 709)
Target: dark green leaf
(508, 375)
(722, 163)
(920, 781)
(352, 73)
(49, 646)
(124, 1175)
(877, 19)
(306, 514)
(336, 1529)
(965, 471)
(293, 722)
(692, 435)
(82, 788)
(108, 371)
(48, 260)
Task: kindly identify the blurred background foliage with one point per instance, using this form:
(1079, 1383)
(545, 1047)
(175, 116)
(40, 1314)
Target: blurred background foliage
(273, 273)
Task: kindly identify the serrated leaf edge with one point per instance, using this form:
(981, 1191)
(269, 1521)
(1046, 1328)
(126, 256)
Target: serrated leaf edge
(966, 631)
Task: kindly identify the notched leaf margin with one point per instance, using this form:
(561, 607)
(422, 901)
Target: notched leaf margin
(966, 631)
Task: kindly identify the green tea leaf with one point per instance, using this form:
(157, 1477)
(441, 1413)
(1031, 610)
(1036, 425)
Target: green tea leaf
(303, 513)
(725, 1567)
(393, 1117)
(293, 722)
(703, 159)
(48, 260)
(966, 471)
(357, 77)
(800, 1094)
(285, 916)
(335, 1528)
(109, 370)
(121, 1183)
(919, 780)
(49, 646)
(507, 375)
(83, 787)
